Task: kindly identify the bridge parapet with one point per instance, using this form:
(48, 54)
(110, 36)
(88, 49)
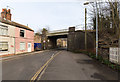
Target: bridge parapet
(57, 31)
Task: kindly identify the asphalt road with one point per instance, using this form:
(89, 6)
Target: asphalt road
(65, 66)
(23, 68)
(71, 66)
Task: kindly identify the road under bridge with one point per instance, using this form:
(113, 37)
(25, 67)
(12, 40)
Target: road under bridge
(75, 39)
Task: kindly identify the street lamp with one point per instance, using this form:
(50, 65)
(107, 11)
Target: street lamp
(96, 31)
(86, 3)
(96, 27)
(48, 40)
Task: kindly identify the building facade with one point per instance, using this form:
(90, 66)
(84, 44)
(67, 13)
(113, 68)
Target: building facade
(24, 40)
(37, 38)
(37, 42)
(7, 38)
(15, 38)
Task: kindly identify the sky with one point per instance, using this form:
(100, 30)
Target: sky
(38, 14)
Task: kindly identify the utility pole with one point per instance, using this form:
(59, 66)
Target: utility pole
(85, 29)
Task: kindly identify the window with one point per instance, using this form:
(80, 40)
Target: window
(3, 46)
(22, 34)
(3, 30)
(22, 45)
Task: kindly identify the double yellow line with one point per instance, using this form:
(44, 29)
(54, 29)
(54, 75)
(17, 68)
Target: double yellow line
(38, 73)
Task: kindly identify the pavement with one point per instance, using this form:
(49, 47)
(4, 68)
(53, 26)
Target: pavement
(24, 67)
(20, 55)
(72, 66)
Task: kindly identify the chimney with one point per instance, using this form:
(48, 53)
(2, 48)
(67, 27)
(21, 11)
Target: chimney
(6, 14)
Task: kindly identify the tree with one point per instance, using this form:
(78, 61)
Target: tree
(47, 28)
(107, 16)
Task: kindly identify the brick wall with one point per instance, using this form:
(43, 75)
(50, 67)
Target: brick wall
(6, 14)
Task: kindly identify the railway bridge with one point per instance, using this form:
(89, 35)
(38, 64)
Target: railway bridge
(75, 39)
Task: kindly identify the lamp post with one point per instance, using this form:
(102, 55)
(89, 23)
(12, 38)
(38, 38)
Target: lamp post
(96, 31)
(96, 27)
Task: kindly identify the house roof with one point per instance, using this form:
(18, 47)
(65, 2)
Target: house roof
(15, 24)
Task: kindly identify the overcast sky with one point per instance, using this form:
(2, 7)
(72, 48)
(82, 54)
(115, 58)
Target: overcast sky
(39, 14)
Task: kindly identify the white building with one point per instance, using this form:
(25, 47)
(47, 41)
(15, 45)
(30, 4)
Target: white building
(7, 38)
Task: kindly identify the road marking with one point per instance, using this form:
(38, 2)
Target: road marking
(42, 73)
(42, 69)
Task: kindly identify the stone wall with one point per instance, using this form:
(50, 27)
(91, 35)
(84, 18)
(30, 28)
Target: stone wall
(76, 40)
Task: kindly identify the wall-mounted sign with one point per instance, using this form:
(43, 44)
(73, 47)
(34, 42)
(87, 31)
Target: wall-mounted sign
(114, 54)
(12, 46)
